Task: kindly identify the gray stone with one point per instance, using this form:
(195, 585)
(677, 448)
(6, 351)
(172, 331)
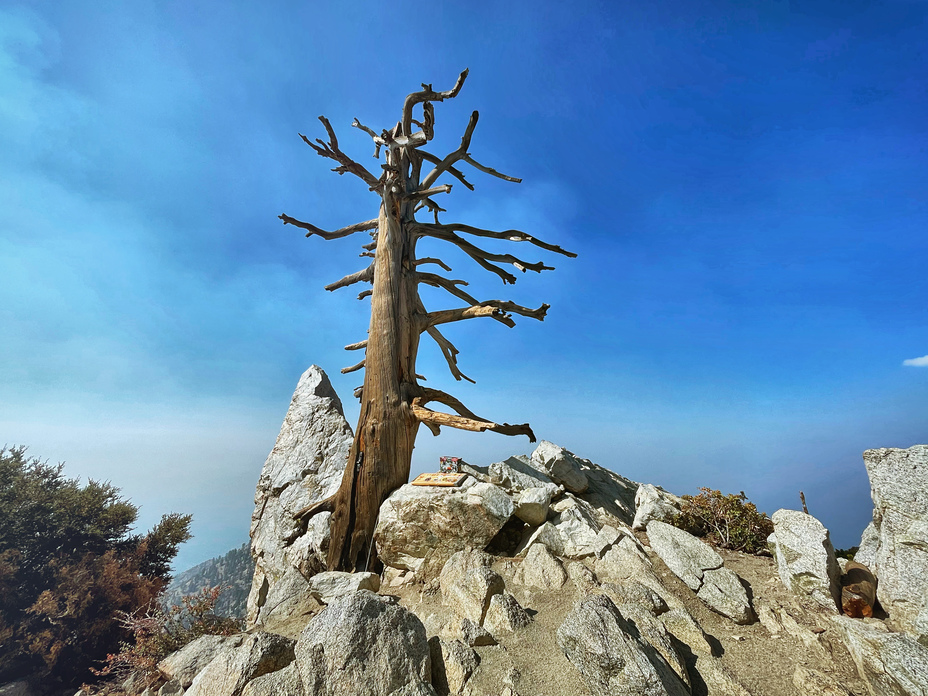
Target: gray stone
(892, 664)
(474, 634)
(611, 495)
(518, 474)
(611, 656)
(810, 681)
(605, 538)
(869, 545)
(805, 558)
(467, 583)
(185, 664)
(700, 567)
(452, 664)
(532, 505)
(427, 524)
(687, 556)
(505, 615)
(541, 569)
(899, 488)
(653, 632)
(305, 466)
(416, 689)
(653, 503)
(635, 592)
(279, 602)
(684, 627)
(582, 577)
(546, 534)
(577, 527)
(283, 682)
(229, 672)
(332, 584)
(309, 552)
(171, 688)
(561, 466)
(362, 645)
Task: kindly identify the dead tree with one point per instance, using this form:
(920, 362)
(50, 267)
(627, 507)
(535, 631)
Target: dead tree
(393, 404)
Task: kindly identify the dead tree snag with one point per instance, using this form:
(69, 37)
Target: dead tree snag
(393, 404)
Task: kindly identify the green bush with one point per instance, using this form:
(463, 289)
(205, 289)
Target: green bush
(728, 521)
(68, 564)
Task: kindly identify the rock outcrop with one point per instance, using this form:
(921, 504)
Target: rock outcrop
(899, 487)
(805, 558)
(893, 664)
(304, 467)
(426, 525)
(653, 503)
(702, 569)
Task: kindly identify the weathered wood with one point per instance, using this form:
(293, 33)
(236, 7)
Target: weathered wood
(392, 400)
(858, 590)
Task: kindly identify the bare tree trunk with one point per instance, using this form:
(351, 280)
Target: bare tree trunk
(380, 457)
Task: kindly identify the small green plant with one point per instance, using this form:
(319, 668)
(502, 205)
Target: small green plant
(847, 553)
(159, 631)
(728, 521)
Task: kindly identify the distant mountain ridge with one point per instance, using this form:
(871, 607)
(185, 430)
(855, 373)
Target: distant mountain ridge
(234, 570)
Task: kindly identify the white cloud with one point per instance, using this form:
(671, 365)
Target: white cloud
(917, 362)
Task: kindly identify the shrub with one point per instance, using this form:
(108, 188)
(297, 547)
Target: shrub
(68, 564)
(728, 521)
(158, 631)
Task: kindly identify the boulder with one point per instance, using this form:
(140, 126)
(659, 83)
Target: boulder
(362, 645)
(899, 488)
(653, 503)
(327, 586)
(611, 656)
(634, 592)
(283, 682)
(277, 603)
(892, 664)
(518, 474)
(653, 632)
(700, 567)
(308, 554)
(577, 526)
(541, 569)
(531, 505)
(189, 661)
(452, 664)
(546, 534)
(428, 524)
(171, 688)
(227, 674)
(470, 595)
(305, 466)
(684, 627)
(505, 615)
(805, 558)
(561, 466)
(605, 538)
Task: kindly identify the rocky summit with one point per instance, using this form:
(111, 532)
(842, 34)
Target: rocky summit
(540, 576)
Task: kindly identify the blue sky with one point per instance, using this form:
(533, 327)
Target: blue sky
(746, 185)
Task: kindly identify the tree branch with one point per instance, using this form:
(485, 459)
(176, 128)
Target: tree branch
(437, 262)
(363, 276)
(428, 95)
(455, 156)
(337, 234)
(446, 316)
(456, 173)
(489, 170)
(507, 235)
(353, 368)
(357, 346)
(474, 424)
(331, 151)
(450, 353)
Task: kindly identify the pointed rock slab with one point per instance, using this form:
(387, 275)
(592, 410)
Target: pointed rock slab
(304, 467)
(805, 558)
(654, 632)
(467, 583)
(611, 655)
(561, 466)
(634, 592)
(653, 503)
(362, 645)
(330, 585)
(577, 527)
(227, 674)
(421, 527)
(518, 474)
(892, 664)
(700, 567)
(899, 488)
(532, 505)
